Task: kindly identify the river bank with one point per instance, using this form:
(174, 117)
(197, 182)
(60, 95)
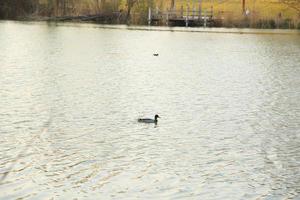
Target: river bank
(231, 14)
(120, 19)
(216, 30)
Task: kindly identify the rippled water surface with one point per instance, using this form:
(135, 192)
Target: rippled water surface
(70, 96)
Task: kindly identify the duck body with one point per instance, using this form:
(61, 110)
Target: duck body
(148, 120)
(155, 54)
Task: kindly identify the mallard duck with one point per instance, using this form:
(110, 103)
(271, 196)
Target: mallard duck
(148, 120)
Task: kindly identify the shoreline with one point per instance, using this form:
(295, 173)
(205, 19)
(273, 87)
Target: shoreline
(217, 30)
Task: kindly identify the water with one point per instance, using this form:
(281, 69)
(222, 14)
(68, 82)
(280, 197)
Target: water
(70, 95)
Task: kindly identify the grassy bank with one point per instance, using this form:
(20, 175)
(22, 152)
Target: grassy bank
(227, 13)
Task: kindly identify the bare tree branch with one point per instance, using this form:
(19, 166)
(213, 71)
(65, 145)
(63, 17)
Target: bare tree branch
(294, 4)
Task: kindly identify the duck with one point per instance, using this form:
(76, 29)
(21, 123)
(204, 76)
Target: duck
(155, 54)
(148, 120)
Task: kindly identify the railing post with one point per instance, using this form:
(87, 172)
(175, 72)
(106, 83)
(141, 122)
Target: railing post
(181, 11)
(167, 19)
(205, 19)
(149, 16)
(200, 10)
(187, 16)
(194, 11)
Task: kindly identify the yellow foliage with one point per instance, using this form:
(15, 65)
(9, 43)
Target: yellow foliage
(257, 8)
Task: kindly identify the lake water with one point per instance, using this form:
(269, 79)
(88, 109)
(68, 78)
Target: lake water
(70, 96)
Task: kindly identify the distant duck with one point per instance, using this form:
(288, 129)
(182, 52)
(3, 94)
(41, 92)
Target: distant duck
(155, 54)
(147, 120)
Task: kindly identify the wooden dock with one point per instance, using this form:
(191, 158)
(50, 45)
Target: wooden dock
(187, 17)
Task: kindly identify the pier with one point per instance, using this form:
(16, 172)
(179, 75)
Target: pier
(188, 16)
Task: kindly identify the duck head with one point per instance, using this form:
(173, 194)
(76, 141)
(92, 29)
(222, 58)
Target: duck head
(156, 116)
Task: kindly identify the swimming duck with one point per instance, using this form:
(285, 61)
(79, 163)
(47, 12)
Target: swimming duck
(147, 120)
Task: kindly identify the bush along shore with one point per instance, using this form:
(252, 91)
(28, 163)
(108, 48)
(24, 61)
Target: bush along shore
(141, 12)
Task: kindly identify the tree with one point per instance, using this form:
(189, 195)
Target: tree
(130, 4)
(15, 8)
(97, 3)
(294, 4)
(103, 2)
(172, 4)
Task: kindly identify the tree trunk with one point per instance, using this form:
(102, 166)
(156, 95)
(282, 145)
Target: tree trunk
(97, 6)
(128, 15)
(103, 4)
(172, 4)
(130, 4)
